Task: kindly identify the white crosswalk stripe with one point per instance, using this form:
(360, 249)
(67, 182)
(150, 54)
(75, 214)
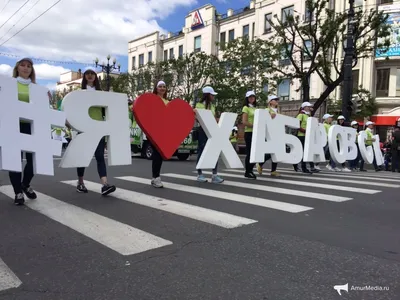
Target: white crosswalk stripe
(8, 279)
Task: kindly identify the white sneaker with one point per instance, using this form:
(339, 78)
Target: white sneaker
(317, 168)
(336, 169)
(328, 166)
(345, 169)
(156, 182)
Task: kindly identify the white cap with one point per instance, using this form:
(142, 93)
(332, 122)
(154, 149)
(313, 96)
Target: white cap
(341, 118)
(354, 123)
(272, 97)
(250, 93)
(369, 123)
(326, 116)
(209, 90)
(90, 69)
(160, 83)
(306, 104)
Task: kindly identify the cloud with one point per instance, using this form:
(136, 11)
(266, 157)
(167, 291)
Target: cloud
(82, 30)
(43, 71)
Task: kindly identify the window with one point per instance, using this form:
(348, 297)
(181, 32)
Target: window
(265, 88)
(308, 16)
(284, 89)
(382, 82)
(141, 60)
(180, 50)
(285, 57)
(398, 83)
(307, 47)
(253, 30)
(356, 75)
(171, 53)
(165, 55)
(267, 27)
(150, 58)
(197, 43)
(286, 12)
(133, 62)
(246, 31)
(231, 36)
(222, 40)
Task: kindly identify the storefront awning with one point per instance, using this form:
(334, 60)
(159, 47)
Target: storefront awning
(384, 120)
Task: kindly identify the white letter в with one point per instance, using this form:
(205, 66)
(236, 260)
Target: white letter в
(218, 140)
(315, 141)
(116, 126)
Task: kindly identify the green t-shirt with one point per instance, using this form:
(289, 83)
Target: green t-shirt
(23, 92)
(202, 106)
(370, 136)
(303, 123)
(327, 127)
(250, 117)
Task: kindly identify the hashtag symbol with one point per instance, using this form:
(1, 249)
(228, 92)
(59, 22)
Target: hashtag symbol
(41, 117)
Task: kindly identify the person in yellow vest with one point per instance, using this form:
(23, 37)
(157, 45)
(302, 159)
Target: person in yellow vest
(24, 72)
(90, 82)
(206, 103)
(328, 119)
(160, 89)
(305, 113)
(368, 142)
(354, 162)
(342, 122)
(273, 111)
(233, 137)
(250, 105)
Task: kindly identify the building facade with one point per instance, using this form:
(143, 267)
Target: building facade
(204, 27)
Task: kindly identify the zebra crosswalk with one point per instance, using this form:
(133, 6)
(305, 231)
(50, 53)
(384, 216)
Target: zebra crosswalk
(290, 194)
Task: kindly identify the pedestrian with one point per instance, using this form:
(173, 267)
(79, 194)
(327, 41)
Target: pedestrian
(248, 110)
(206, 103)
(368, 142)
(305, 113)
(341, 121)
(273, 111)
(160, 89)
(24, 72)
(395, 147)
(90, 82)
(354, 162)
(328, 119)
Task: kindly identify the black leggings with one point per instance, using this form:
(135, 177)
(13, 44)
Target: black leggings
(16, 177)
(303, 164)
(101, 163)
(248, 137)
(156, 164)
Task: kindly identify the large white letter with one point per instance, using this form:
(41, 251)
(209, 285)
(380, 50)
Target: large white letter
(218, 140)
(315, 142)
(367, 152)
(269, 137)
(116, 126)
(377, 150)
(41, 117)
(346, 137)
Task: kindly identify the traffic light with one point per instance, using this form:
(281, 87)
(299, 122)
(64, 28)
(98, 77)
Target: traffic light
(356, 103)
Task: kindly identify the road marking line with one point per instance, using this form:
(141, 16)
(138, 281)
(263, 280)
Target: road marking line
(305, 183)
(264, 188)
(198, 213)
(310, 178)
(8, 279)
(115, 235)
(288, 207)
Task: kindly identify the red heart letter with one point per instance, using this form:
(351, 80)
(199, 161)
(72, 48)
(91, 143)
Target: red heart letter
(166, 126)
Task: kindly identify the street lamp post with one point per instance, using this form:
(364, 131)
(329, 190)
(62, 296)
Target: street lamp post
(348, 64)
(107, 68)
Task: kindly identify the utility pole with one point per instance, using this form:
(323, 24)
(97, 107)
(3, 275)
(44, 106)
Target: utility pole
(348, 65)
(107, 68)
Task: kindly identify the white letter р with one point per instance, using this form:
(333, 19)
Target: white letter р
(116, 126)
(218, 140)
(41, 117)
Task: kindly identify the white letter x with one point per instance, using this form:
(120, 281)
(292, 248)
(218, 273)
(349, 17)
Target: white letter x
(218, 140)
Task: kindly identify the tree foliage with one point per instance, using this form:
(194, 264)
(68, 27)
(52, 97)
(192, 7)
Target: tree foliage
(312, 44)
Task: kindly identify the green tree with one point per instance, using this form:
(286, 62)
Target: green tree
(311, 45)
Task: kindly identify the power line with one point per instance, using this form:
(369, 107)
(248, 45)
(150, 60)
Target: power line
(31, 22)
(20, 19)
(14, 13)
(4, 6)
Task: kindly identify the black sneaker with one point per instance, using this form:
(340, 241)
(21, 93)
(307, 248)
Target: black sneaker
(29, 192)
(81, 188)
(250, 175)
(315, 170)
(107, 189)
(307, 171)
(19, 199)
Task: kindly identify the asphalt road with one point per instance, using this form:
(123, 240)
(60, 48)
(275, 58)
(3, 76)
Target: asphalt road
(295, 237)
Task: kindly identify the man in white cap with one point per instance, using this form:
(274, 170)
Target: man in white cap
(328, 118)
(341, 121)
(368, 142)
(354, 162)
